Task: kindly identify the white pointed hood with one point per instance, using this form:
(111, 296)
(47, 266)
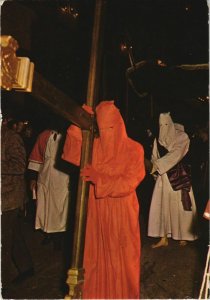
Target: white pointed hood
(167, 131)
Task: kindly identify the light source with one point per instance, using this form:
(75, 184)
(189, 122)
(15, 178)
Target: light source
(69, 11)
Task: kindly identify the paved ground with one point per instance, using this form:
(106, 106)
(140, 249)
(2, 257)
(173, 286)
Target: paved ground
(171, 272)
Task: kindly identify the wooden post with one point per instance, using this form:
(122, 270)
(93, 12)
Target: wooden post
(76, 273)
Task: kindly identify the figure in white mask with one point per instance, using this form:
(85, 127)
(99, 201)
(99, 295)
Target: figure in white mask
(173, 211)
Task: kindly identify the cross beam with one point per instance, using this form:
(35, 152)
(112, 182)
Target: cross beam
(17, 73)
(60, 103)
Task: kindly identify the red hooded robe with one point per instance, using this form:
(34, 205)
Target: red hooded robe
(112, 243)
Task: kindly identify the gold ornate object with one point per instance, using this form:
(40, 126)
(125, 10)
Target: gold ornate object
(9, 61)
(75, 281)
(16, 72)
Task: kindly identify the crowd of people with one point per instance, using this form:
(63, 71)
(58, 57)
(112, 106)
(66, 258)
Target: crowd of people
(36, 183)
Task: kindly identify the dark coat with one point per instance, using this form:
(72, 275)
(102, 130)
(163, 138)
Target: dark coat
(13, 165)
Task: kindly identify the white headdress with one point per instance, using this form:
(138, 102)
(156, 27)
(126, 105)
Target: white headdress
(167, 132)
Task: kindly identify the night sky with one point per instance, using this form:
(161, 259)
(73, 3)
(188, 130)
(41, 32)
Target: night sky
(174, 31)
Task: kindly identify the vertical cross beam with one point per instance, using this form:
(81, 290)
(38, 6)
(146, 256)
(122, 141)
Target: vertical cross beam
(76, 274)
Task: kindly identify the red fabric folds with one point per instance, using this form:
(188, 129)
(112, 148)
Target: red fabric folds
(72, 146)
(112, 243)
(38, 152)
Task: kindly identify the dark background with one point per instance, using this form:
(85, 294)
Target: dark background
(174, 31)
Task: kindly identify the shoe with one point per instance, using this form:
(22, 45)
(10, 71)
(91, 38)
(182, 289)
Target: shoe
(23, 276)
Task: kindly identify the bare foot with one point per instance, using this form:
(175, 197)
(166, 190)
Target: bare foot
(162, 243)
(182, 243)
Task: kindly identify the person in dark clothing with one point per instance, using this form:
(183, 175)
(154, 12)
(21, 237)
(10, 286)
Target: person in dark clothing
(15, 256)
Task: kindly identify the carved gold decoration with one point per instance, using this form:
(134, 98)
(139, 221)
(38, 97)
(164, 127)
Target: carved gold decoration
(75, 281)
(9, 61)
(16, 72)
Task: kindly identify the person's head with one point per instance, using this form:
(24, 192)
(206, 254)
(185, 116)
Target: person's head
(28, 131)
(57, 123)
(108, 117)
(166, 130)
(11, 123)
(111, 128)
(7, 117)
(19, 126)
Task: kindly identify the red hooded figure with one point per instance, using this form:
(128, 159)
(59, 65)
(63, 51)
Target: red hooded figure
(112, 242)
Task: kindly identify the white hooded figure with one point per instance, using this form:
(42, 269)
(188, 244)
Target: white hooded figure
(167, 217)
(52, 185)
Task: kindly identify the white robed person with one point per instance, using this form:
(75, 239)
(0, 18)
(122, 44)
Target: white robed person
(52, 185)
(173, 210)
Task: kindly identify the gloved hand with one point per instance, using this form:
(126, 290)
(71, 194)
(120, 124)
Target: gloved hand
(33, 184)
(89, 174)
(33, 188)
(88, 109)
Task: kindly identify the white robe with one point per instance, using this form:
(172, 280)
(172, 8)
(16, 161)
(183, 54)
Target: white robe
(52, 191)
(167, 216)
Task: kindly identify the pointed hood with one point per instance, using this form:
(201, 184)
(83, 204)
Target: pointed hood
(167, 131)
(111, 128)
